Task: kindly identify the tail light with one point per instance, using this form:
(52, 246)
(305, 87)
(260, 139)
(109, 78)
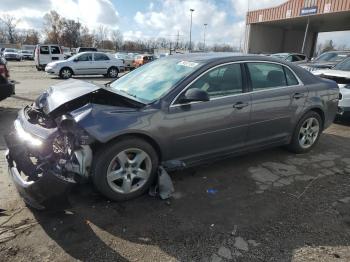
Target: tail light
(3, 71)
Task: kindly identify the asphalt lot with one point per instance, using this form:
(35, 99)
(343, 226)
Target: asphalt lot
(268, 206)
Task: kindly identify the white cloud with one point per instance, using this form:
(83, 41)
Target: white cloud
(173, 16)
(91, 13)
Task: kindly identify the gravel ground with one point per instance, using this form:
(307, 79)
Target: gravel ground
(269, 206)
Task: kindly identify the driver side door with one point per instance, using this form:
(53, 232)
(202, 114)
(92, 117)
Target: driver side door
(82, 65)
(219, 125)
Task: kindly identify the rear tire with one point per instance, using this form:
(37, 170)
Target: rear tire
(306, 133)
(66, 73)
(125, 169)
(113, 72)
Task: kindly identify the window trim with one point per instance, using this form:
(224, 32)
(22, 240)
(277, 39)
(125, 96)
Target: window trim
(172, 104)
(300, 83)
(245, 77)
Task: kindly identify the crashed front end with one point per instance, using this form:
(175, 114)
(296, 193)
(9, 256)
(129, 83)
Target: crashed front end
(46, 155)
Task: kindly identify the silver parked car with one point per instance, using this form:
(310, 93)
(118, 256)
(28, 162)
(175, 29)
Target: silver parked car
(86, 63)
(178, 111)
(11, 54)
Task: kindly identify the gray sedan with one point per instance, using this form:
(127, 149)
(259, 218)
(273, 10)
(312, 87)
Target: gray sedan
(176, 112)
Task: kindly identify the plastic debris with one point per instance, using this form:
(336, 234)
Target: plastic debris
(164, 186)
(212, 191)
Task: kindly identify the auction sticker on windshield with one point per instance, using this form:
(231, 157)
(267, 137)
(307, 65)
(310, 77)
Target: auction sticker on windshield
(187, 63)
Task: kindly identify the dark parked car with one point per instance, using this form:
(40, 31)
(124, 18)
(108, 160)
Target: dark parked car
(86, 49)
(7, 87)
(291, 57)
(178, 111)
(326, 60)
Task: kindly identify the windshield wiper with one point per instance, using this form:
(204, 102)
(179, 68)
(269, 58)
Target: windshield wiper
(133, 95)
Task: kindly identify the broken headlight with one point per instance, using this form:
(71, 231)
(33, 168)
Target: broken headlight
(25, 135)
(68, 126)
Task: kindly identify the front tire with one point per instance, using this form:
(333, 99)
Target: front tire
(66, 73)
(126, 169)
(306, 133)
(113, 72)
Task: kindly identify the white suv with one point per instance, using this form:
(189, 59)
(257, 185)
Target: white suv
(86, 63)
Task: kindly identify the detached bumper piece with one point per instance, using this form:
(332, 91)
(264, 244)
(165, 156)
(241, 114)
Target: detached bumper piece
(39, 186)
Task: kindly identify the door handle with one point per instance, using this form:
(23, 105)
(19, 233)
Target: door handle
(240, 105)
(298, 95)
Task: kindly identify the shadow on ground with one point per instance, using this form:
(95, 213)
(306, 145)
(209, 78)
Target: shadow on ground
(194, 225)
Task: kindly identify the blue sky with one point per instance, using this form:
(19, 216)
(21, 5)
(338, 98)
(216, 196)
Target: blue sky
(148, 19)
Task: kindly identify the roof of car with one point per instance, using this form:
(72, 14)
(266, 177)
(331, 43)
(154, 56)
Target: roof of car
(218, 56)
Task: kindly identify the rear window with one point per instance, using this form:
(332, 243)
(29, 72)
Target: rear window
(101, 57)
(55, 50)
(269, 75)
(44, 50)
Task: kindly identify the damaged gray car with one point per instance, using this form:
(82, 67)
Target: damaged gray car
(176, 112)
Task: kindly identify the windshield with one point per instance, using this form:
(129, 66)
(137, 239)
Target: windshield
(331, 57)
(280, 56)
(344, 65)
(11, 50)
(151, 81)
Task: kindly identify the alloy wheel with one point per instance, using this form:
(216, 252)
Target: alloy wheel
(66, 73)
(129, 170)
(309, 132)
(113, 72)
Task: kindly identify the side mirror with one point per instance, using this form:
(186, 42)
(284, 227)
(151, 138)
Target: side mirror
(194, 94)
(75, 60)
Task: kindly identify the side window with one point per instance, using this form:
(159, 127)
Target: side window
(266, 75)
(55, 50)
(222, 81)
(44, 50)
(291, 79)
(100, 57)
(85, 57)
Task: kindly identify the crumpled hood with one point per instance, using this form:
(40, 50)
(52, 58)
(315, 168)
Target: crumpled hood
(64, 92)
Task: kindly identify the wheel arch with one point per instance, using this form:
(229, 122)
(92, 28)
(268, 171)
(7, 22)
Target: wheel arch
(143, 136)
(67, 67)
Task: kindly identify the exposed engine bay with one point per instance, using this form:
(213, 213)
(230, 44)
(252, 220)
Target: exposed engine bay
(48, 143)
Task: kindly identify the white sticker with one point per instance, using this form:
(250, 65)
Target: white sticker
(187, 63)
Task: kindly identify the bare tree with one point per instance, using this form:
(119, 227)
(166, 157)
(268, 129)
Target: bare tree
(117, 39)
(10, 24)
(53, 27)
(70, 33)
(101, 35)
(86, 39)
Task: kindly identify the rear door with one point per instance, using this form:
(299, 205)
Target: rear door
(216, 126)
(56, 53)
(277, 95)
(101, 63)
(44, 55)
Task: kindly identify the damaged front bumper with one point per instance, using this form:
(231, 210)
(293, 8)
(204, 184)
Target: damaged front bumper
(46, 188)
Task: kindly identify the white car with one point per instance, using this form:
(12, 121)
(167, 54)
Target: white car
(128, 60)
(86, 63)
(12, 54)
(340, 73)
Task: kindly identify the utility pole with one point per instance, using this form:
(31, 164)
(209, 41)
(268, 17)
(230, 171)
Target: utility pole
(205, 27)
(190, 48)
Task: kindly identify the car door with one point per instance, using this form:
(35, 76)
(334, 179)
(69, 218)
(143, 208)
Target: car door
(44, 55)
(277, 95)
(82, 65)
(101, 63)
(216, 126)
(55, 53)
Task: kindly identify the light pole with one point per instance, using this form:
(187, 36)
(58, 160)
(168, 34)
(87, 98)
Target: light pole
(190, 48)
(205, 26)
